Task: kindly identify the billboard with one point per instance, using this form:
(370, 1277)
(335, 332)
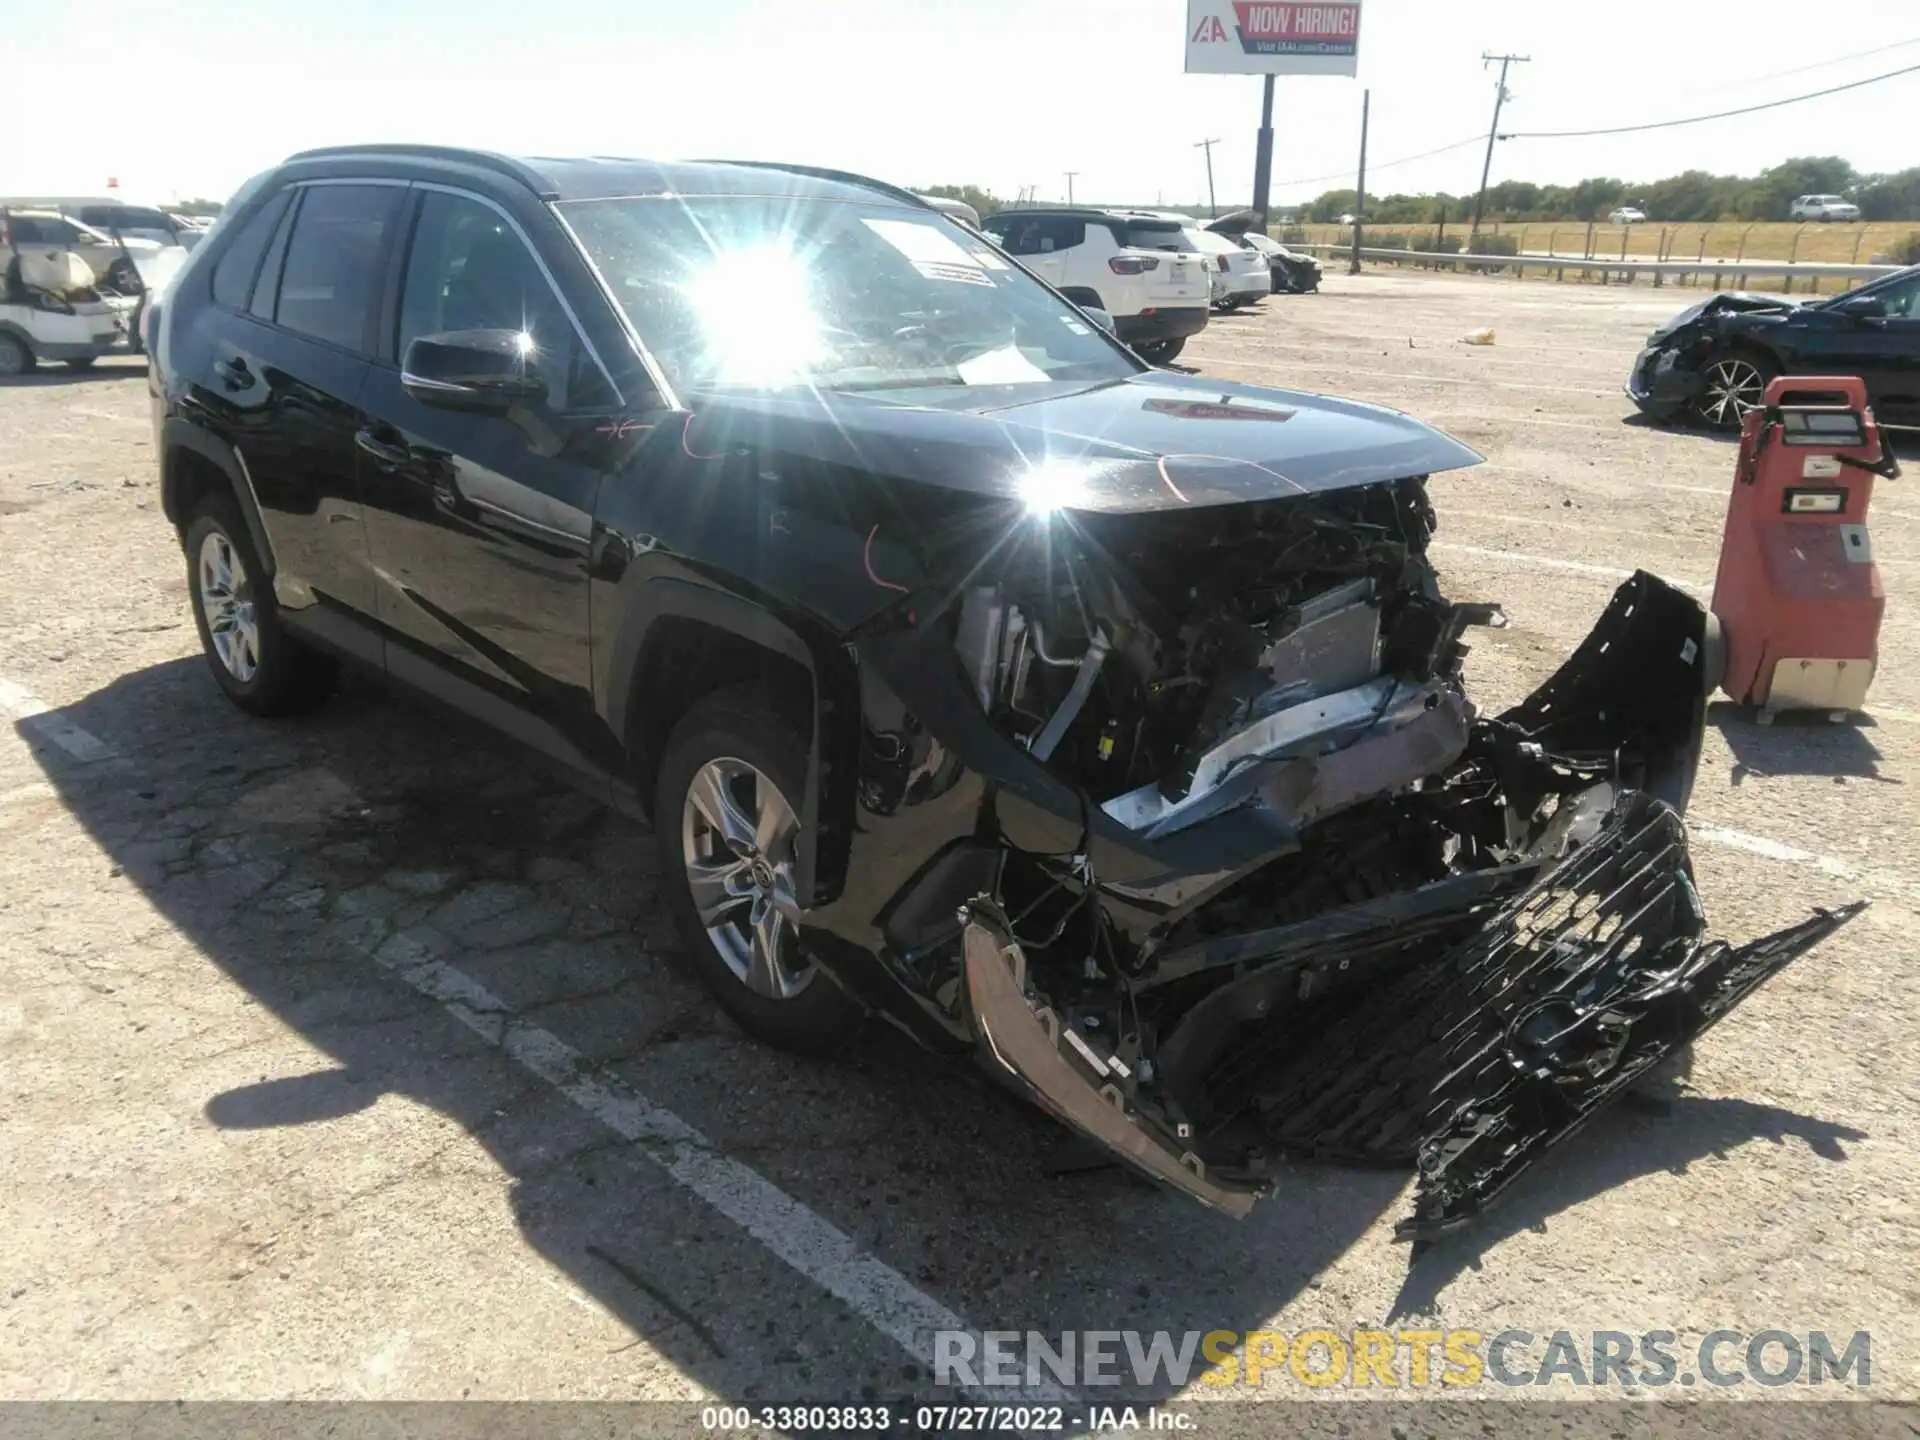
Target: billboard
(1272, 37)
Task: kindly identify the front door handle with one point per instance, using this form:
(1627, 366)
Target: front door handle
(386, 454)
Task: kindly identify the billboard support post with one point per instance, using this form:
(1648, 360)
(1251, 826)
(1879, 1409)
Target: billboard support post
(1263, 152)
(1360, 189)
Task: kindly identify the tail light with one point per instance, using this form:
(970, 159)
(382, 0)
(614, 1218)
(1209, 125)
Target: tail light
(1223, 262)
(1133, 264)
(6, 235)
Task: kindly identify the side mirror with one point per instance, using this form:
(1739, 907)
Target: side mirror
(1863, 307)
(486, 371)
(1102, 318)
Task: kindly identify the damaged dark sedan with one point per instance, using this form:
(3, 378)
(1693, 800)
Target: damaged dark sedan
(1104, 724)
(1711, 363)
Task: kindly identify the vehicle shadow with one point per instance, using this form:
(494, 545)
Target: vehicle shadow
(1690, 429)
(1798, 744)
(1663, 1136)
(294, 856)
(52, 372)
(290, 855)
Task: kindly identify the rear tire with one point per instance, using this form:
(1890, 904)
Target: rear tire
(16, 356)
(1160, 352)
(262, 668)
(727, 805)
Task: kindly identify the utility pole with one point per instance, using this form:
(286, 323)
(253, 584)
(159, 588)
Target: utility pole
(1263, 153)
(1213, 210)
(1070, 174)
(1493, 130)
(1360, 189)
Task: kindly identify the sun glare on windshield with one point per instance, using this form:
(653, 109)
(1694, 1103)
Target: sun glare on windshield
(756, 315)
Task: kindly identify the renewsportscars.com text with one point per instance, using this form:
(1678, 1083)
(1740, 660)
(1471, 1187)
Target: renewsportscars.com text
(1405, 1358)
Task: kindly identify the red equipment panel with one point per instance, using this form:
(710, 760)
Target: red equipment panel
(1798, 595)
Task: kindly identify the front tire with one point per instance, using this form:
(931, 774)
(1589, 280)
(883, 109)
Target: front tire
(726, 805)
(1160, 352)
(1736, 382)
(262, 668)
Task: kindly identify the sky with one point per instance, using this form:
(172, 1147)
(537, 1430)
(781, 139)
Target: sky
(177, 98)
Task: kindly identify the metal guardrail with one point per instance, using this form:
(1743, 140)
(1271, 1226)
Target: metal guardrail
(1658, 269)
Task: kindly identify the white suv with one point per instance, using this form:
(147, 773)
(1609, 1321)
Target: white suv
(1240, 276)
(1823, 207)
(1116, 262)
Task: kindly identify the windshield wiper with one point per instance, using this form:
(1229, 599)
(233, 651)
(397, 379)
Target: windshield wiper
(850, 386)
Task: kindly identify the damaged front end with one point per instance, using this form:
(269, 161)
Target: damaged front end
(1185, 822)
(1672, 375)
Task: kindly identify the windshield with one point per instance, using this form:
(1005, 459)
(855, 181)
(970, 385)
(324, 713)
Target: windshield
(772, 293)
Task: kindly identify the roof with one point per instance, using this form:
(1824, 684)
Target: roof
(598, 177)
(1095, 212)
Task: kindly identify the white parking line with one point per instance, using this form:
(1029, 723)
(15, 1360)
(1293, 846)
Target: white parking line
(880, 1295)
(36, 718)
(1550, 562)
(1772, 849)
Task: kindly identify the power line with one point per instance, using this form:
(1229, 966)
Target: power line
(1385, 164)
(1699, 119)
(1803, 69)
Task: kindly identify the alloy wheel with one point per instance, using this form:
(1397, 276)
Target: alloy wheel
(738, 837)
(1734, 386)
(226, 599)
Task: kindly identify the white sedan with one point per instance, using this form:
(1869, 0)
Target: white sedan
(1627, 215)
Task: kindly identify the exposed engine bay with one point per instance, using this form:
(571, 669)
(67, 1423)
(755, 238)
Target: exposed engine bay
(1172, 667)
(1275, 885)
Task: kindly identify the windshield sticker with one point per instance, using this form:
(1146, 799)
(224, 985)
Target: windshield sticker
(1005, 366)
(960, 274)
(935, 254)
(1074, 325)
(990, 260)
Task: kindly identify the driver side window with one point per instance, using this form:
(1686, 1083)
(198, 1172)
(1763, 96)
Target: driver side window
(469, 270)
(1900, 299)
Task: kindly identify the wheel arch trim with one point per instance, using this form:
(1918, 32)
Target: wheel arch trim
(180, 434)
(663, 600)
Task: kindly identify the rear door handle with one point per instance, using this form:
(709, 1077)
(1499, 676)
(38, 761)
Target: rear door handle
(386, 454)
(233, 373)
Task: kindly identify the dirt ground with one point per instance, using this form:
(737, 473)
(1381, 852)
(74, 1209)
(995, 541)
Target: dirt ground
(346, 1058)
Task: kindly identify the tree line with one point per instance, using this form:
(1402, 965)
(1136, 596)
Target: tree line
(1692, 195)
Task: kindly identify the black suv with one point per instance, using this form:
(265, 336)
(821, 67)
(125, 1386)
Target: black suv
(1075, 714)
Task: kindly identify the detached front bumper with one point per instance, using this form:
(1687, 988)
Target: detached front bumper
(1467, 1062)
(1662, 384)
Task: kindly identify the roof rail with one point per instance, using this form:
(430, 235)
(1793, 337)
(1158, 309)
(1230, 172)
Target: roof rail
(484, 159)
(845, 177)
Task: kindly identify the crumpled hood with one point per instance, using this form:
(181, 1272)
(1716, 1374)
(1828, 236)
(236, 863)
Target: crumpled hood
(1729, 302)
(1155, 441)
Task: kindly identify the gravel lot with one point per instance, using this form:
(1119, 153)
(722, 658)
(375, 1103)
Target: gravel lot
(322, 1043)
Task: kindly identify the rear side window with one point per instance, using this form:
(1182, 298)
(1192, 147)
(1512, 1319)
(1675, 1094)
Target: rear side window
(233, 275)
(1040, 235)
(330, 282)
